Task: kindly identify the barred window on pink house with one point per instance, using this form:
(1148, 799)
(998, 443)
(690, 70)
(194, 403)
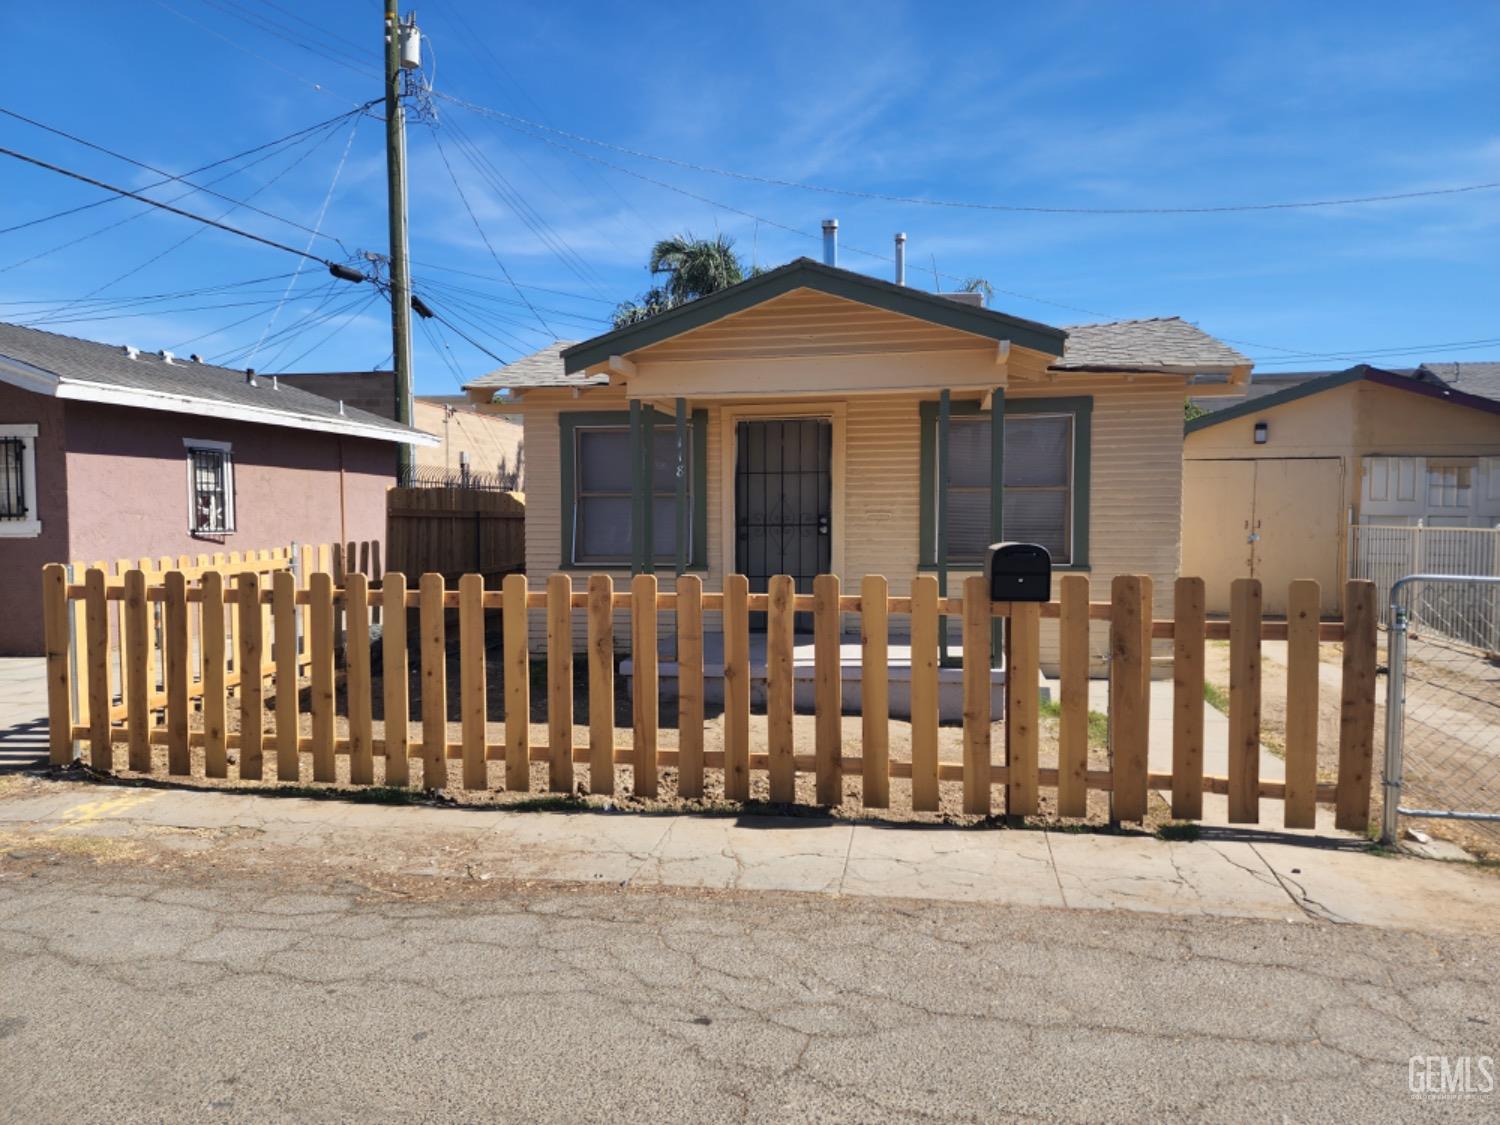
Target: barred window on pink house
(210, 490)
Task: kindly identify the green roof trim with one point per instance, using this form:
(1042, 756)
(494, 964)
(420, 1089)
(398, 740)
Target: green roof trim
(1270, 401)
(804, 273)
(1362, 372)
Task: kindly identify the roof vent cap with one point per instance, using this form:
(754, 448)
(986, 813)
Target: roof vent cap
(341, 408)
(250, 377)
(196, 358)
(166, 356)
(130, 352)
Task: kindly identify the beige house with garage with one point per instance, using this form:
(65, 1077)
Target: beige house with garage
(1273, 484)
(812, 419)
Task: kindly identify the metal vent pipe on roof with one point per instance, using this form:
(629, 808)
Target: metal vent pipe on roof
(901, 258)
(830, 242)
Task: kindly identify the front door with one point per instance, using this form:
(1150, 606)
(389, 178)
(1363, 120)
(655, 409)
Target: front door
(783, 500)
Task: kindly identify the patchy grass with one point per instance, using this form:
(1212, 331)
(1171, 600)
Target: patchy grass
(1216, 697)
(1185, 830)
(1098, 723)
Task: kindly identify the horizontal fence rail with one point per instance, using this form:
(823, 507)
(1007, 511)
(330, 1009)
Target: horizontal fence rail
(267, 682)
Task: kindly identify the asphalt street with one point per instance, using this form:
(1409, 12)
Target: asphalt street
(143, 992)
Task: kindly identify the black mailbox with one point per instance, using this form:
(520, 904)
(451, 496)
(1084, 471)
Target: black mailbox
(1019, 572)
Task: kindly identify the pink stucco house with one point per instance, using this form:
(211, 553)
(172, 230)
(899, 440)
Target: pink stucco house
(109, 453)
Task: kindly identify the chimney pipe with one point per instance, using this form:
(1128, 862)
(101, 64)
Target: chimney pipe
(830, 242)
(901, 258)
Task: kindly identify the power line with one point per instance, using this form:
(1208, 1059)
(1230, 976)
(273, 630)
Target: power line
(171, 177)
(271, 242)
(437, 141)
(973, 205)
(280, 141)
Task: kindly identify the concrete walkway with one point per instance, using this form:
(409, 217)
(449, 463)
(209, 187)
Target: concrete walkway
(1249, 873)
(23, 712)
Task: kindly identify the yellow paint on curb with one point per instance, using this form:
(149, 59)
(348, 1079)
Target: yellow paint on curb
(89, 812)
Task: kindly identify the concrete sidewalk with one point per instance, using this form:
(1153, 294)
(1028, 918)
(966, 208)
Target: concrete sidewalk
(1249, 873)
(23, 712)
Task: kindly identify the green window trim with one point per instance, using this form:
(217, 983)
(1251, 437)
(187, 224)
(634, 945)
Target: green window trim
(571, 421)
(1080, 407)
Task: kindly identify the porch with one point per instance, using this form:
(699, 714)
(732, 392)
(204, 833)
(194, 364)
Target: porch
(899, 673)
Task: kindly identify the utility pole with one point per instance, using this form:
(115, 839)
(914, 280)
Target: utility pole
(395, 168)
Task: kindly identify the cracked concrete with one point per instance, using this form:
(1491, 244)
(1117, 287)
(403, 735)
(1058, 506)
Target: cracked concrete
(1245, 873)
(145, 992)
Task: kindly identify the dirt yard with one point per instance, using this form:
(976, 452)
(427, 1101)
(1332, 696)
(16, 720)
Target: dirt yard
(950, 748)
(1452, 728)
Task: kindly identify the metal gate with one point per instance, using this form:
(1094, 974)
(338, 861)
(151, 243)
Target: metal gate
(783, 504)
(1442, 744)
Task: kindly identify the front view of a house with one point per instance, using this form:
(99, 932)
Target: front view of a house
(815, 420)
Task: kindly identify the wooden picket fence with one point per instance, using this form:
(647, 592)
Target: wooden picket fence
(301, 560)
(275, 649)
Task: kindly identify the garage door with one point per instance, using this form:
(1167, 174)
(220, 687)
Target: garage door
(1277, 519)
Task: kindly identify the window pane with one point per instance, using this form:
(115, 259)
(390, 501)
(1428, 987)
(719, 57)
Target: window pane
(664, 466)
(1037, 450)
(603, 528)
(664, 528)
(604, 460)
(12, 478)
(969, 452)
(969, 525)
(1039, 517)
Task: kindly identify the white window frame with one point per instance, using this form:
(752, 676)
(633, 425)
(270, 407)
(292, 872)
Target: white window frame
(190, 446)
(31, 527)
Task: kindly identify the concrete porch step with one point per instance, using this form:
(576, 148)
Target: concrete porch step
(950, 680)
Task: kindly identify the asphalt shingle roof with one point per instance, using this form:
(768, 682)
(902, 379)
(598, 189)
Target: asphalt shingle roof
(543, 368)
(1476, 377)
(1166, 342)
(77, 361)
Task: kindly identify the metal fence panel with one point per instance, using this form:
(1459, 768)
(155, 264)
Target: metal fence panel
(1465, 612)
(1443, 711)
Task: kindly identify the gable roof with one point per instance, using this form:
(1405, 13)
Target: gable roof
(1166, 343)
(1327, 382)
(69, 368)
(804, 273)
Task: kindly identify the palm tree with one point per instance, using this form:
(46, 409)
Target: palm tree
(692, 267)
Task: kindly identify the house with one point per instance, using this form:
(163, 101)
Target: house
(107, 452)
(1272, 483)
(817, 407)
(490, 444)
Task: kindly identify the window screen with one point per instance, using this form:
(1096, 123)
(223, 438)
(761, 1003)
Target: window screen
(1038, 484)
(601, 501)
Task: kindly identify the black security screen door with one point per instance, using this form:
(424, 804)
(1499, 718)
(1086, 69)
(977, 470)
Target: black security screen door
(783, 497)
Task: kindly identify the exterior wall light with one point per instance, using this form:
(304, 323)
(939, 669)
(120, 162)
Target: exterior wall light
(1262, 433)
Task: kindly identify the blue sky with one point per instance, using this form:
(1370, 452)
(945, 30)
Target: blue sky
(1061, 105)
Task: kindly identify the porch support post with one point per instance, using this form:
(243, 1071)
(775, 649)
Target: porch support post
(683, 525)
(646, 484)
(997, 501)
(945, 411)
(637, 497)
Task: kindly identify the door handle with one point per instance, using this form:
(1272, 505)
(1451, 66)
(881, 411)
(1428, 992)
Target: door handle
(822, 525)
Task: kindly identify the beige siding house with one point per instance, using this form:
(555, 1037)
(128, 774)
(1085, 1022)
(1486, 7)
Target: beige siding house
(1273, 484)
(818, 409)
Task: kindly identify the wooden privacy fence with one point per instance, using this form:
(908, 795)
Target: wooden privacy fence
(1015, 769)
(455, 531)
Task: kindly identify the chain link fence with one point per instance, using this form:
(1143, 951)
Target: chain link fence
(1443, 713)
